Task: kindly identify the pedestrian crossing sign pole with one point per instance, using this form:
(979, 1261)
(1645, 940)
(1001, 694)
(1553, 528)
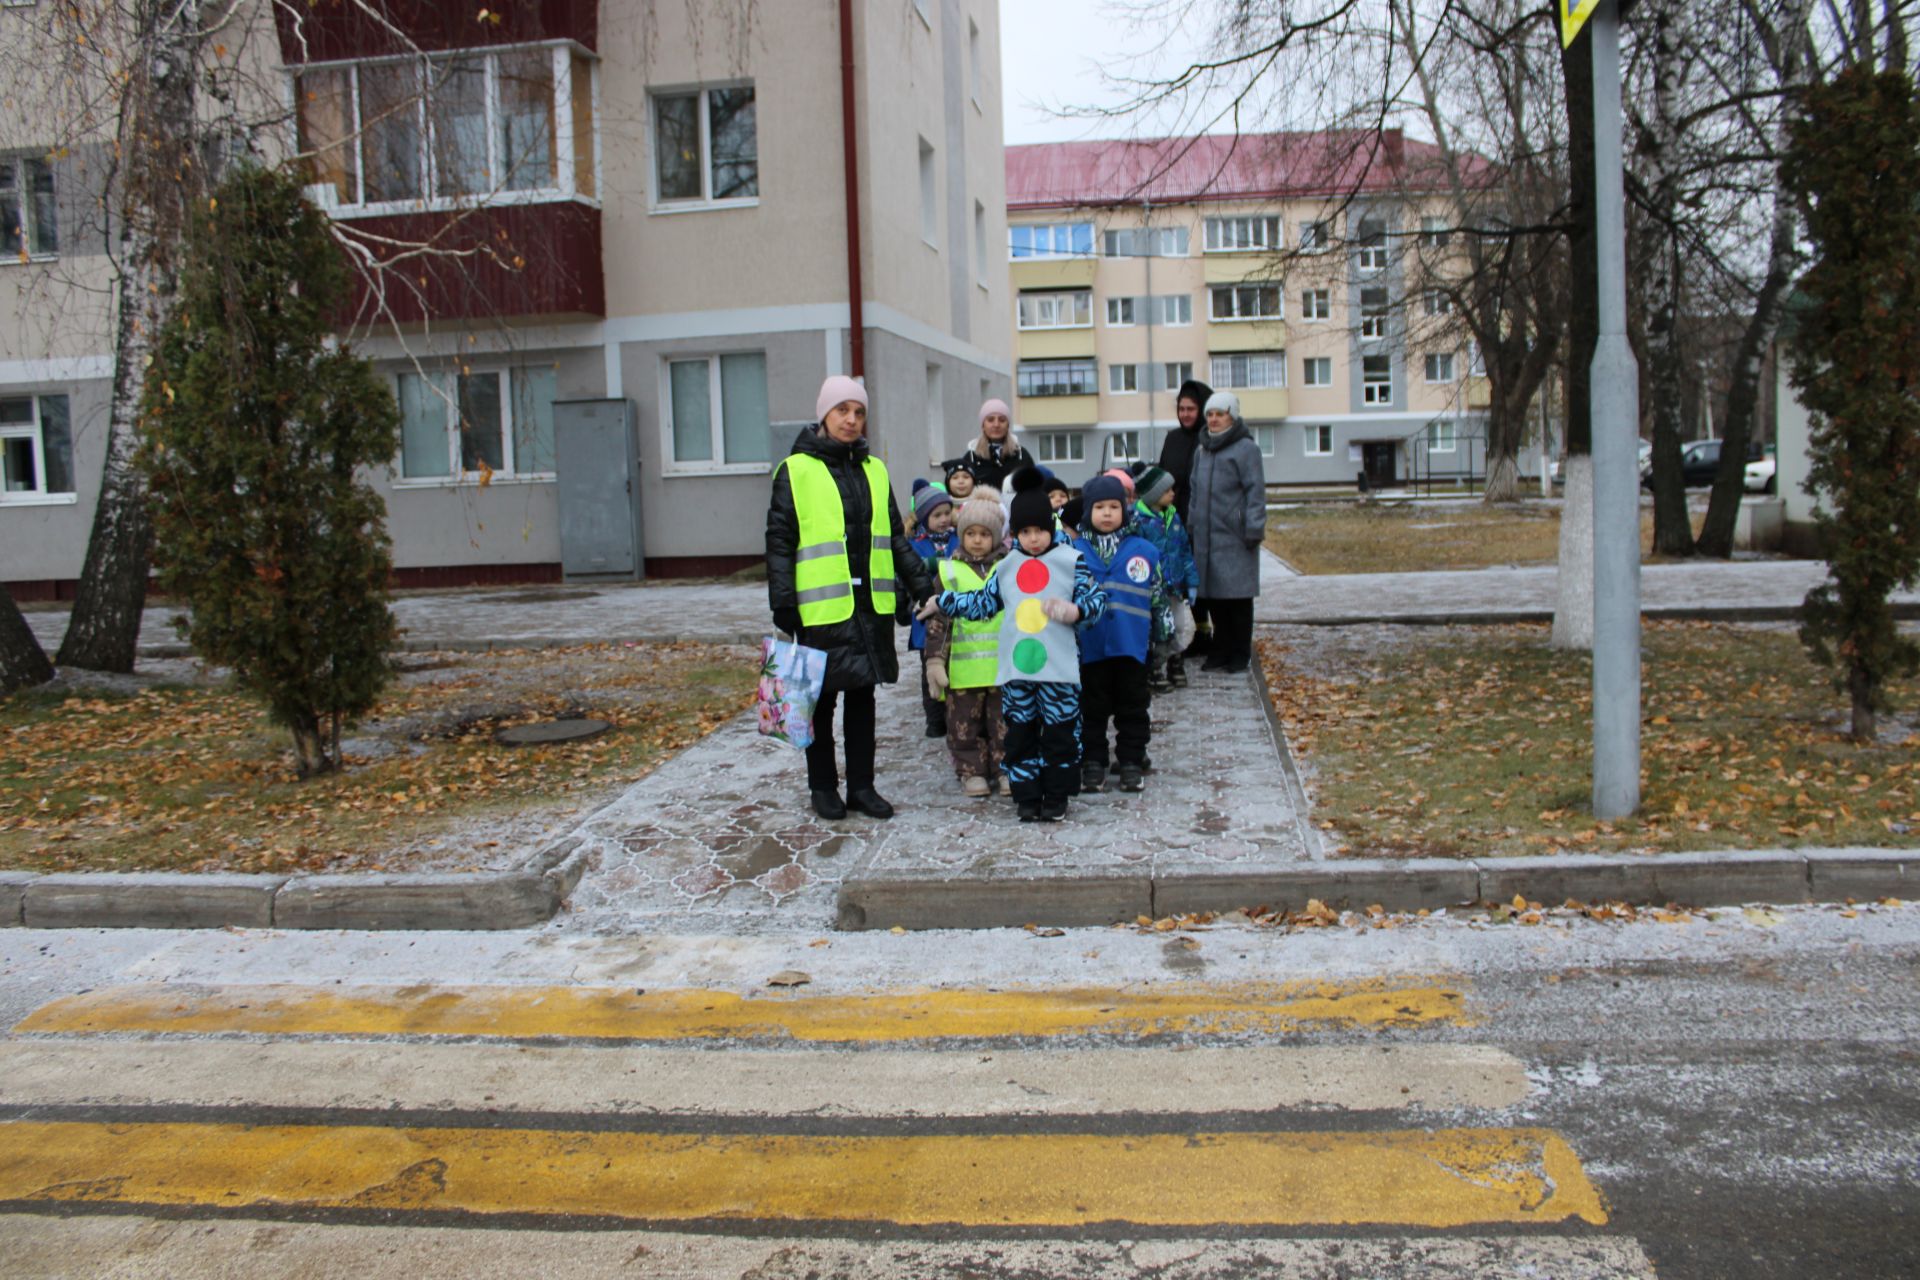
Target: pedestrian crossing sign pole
(1573, 16)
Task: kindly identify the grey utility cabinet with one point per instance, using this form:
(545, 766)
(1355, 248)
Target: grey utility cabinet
(596, 457)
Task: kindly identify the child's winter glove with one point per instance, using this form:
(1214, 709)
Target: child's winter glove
(787, 620)
(1061, 610)
(930, 607)
(937, 677)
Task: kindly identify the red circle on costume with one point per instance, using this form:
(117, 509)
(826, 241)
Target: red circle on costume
(1032, 577)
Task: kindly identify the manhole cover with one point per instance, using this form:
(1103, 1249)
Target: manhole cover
(550, 731)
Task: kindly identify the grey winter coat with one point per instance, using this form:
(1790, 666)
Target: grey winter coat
(1229, 507)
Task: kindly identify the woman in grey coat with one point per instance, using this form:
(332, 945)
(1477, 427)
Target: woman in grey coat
(1229, 506)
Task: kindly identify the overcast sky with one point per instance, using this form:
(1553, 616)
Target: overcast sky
(1051, 52)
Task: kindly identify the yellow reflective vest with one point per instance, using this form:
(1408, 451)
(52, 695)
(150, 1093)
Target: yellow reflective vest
(822, 572)
(973, 648)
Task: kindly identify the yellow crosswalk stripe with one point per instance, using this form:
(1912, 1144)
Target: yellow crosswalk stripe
(1438, 1179)
(683, 1014)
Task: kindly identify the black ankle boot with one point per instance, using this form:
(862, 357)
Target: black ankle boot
(828, 805)
(868, 801)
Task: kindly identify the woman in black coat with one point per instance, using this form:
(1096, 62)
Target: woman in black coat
(1176, 459)
(859, 649)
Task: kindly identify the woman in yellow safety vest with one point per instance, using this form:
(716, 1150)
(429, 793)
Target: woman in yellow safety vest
(838, 566)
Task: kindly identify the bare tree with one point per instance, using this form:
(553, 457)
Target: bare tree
(22, 661)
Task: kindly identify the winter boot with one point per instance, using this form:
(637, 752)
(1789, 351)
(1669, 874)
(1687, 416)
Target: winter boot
(1093, 777)
(1053, 810)
(976, 788)
(1130, 779)
(1029, 811)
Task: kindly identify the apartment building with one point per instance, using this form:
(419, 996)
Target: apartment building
(1288, 268)
(645, 206)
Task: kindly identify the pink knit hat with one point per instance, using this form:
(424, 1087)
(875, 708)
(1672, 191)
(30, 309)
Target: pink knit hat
(999, 407)
(838, 390)
(1126, 480)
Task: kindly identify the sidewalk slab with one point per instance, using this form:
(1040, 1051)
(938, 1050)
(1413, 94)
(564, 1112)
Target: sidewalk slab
(150, 900)
(1835, 875)
(472, 901)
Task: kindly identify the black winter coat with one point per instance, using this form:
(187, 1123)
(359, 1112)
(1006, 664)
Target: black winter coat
(860, 650)
(1176, 459)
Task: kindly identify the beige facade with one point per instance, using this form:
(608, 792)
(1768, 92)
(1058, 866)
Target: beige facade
(1340, 360)
(719, 291)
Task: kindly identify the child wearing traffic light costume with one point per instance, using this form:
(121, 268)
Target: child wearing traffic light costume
(1039, 592)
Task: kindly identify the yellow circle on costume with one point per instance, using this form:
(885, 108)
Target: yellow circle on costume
(1030, 617)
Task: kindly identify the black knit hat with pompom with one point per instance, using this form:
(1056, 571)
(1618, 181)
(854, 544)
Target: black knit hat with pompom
(1030, 509)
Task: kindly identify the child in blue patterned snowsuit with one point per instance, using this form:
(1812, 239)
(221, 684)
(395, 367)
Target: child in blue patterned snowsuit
(1039, 591)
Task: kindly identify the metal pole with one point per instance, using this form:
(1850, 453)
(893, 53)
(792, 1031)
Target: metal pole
(1616, 431)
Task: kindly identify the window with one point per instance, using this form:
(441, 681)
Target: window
(929, 196)
(1269, 438)
(1320, 440)
(28, 226)
(1376, 379)
(1123, 378)
(1317, 371)
(36, 447)
(1060, 446)
(1437, 302)
(1246, 302)
(481, 421)
(1433, 232)
(1050, 240)
(1145, 242)
(1124, 446)
(1175, 374)
(1315, 237)
(1316, 304)
(1440, 437)
(1373, 245)
(457, 126)
(1440, 366)
(706, 146)
(717, 412)
(980, 244)
(1250, 371)
(1476, 367)
(1057, 377)
(1070, 310)
(1237, 235)
(1373, 313)
(1163, 309)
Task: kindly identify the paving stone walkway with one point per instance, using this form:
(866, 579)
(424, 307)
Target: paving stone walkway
(723, 836)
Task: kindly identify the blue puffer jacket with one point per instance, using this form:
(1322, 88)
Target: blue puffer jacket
(1169, 537)
(930, 549)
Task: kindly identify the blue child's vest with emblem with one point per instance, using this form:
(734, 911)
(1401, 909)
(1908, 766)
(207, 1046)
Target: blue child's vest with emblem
(1126, 630)
(1032, 646)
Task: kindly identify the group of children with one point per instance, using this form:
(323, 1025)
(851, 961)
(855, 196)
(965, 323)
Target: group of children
(1056, 616)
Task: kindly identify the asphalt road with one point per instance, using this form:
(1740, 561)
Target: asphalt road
(1724, 1096)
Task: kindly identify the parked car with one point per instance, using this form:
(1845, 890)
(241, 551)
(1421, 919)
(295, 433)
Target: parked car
(1700, 462)
(1558, 471)
(1760, 472)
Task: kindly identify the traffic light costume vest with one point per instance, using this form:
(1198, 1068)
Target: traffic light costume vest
(1032, 646)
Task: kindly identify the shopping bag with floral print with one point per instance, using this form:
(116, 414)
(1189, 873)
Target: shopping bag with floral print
(790, 679)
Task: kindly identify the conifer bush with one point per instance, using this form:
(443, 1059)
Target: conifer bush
(1854, 161)
(256, 431)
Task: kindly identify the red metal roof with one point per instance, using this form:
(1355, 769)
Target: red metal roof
(1218, 167)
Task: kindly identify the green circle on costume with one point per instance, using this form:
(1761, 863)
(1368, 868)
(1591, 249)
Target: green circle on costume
(1029, 656)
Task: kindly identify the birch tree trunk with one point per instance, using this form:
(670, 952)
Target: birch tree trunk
(159, 176)
(22, 661)
(1573, 607)
(1573, 610)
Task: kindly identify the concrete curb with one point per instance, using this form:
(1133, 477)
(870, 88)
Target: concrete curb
(1694, 879)
(484, 900)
